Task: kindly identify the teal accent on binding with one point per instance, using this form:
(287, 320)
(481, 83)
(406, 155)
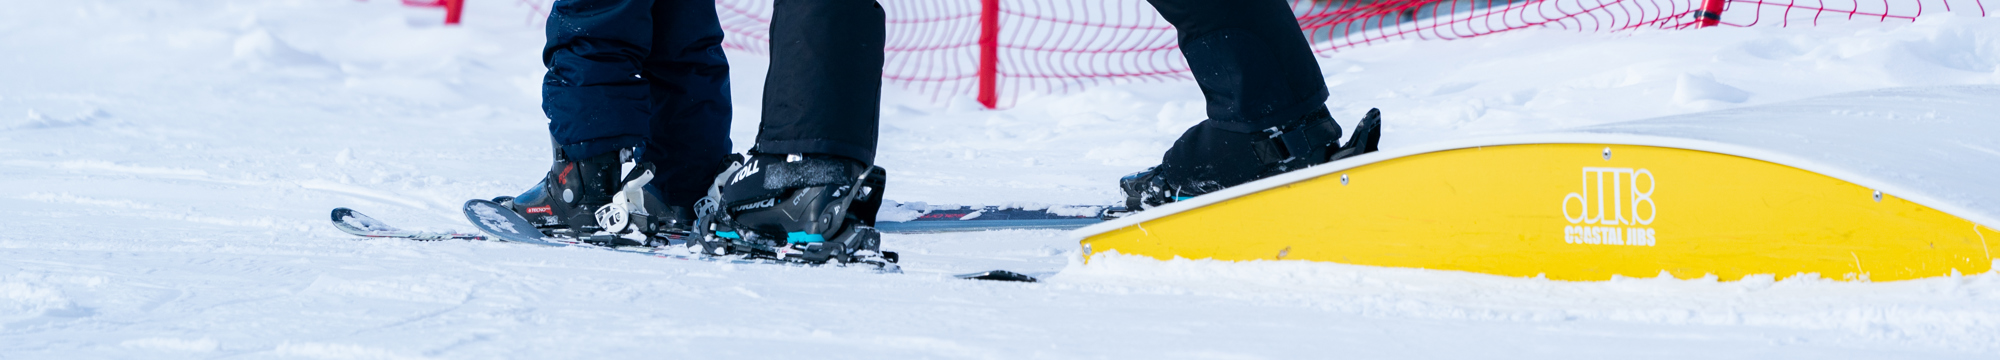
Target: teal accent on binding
(1182, 198)
(728, 234)
(802, 237)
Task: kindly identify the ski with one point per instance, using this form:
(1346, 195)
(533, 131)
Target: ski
(504, 225)
(358, 224)
(967, 218)
(997, 275)
(353, 222)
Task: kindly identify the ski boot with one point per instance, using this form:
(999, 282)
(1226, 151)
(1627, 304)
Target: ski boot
(1215, 156)
(809, 208)
(603, 200)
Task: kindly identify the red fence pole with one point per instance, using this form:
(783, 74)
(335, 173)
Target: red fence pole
(989, 53)
(452, 8)
(1710, 13)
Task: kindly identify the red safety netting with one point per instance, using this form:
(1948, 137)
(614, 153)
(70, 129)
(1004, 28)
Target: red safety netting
(1815, 12)
(1058, 46)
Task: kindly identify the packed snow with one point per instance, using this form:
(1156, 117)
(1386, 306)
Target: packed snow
(166, 169)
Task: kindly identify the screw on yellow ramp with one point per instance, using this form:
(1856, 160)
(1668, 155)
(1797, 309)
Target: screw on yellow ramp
(1567, 211)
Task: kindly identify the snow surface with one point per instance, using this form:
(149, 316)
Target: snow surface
(166, 168)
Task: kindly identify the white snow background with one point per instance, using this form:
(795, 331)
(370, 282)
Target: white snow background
(166, 168)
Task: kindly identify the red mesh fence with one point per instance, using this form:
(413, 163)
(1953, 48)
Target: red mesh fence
(1794, 12)
(1031, 47)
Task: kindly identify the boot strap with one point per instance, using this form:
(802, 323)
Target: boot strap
(1283, 145)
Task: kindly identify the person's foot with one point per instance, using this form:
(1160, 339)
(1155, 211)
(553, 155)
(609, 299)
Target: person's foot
(1215, 156)
(603, 199)
(802, 207)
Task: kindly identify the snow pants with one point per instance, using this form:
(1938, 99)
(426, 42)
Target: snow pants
(1251, 60)
(651, 74)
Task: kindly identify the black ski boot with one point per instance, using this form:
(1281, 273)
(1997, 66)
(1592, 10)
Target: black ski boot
(603, 200)
(1214, 156)
(803, 208)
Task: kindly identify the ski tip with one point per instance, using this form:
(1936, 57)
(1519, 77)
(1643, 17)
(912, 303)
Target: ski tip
(353, 222)
(341, 213)
(997, 275)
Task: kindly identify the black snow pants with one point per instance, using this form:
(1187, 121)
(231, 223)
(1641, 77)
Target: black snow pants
(1251, 60)
(651, 74)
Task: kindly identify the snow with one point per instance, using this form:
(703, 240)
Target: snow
(166, 168)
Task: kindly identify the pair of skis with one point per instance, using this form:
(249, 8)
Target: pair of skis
(499, 223)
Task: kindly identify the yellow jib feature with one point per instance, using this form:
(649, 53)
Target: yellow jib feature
(1575, 212)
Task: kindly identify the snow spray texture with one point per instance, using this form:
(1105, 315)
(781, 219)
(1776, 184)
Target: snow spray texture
(1567, 211)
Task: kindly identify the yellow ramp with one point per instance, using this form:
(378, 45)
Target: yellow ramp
(1567, 211)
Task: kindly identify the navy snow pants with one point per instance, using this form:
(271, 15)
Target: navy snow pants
(651, 73)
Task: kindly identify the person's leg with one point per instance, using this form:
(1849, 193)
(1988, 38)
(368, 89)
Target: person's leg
(1250, 59)
(807, 191)
(823, 95)
(594, 94)
(600, 111)
(1265, 101)
(689, 78)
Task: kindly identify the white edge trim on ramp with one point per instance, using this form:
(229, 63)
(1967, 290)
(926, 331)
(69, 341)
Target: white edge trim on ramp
(1546, 138)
